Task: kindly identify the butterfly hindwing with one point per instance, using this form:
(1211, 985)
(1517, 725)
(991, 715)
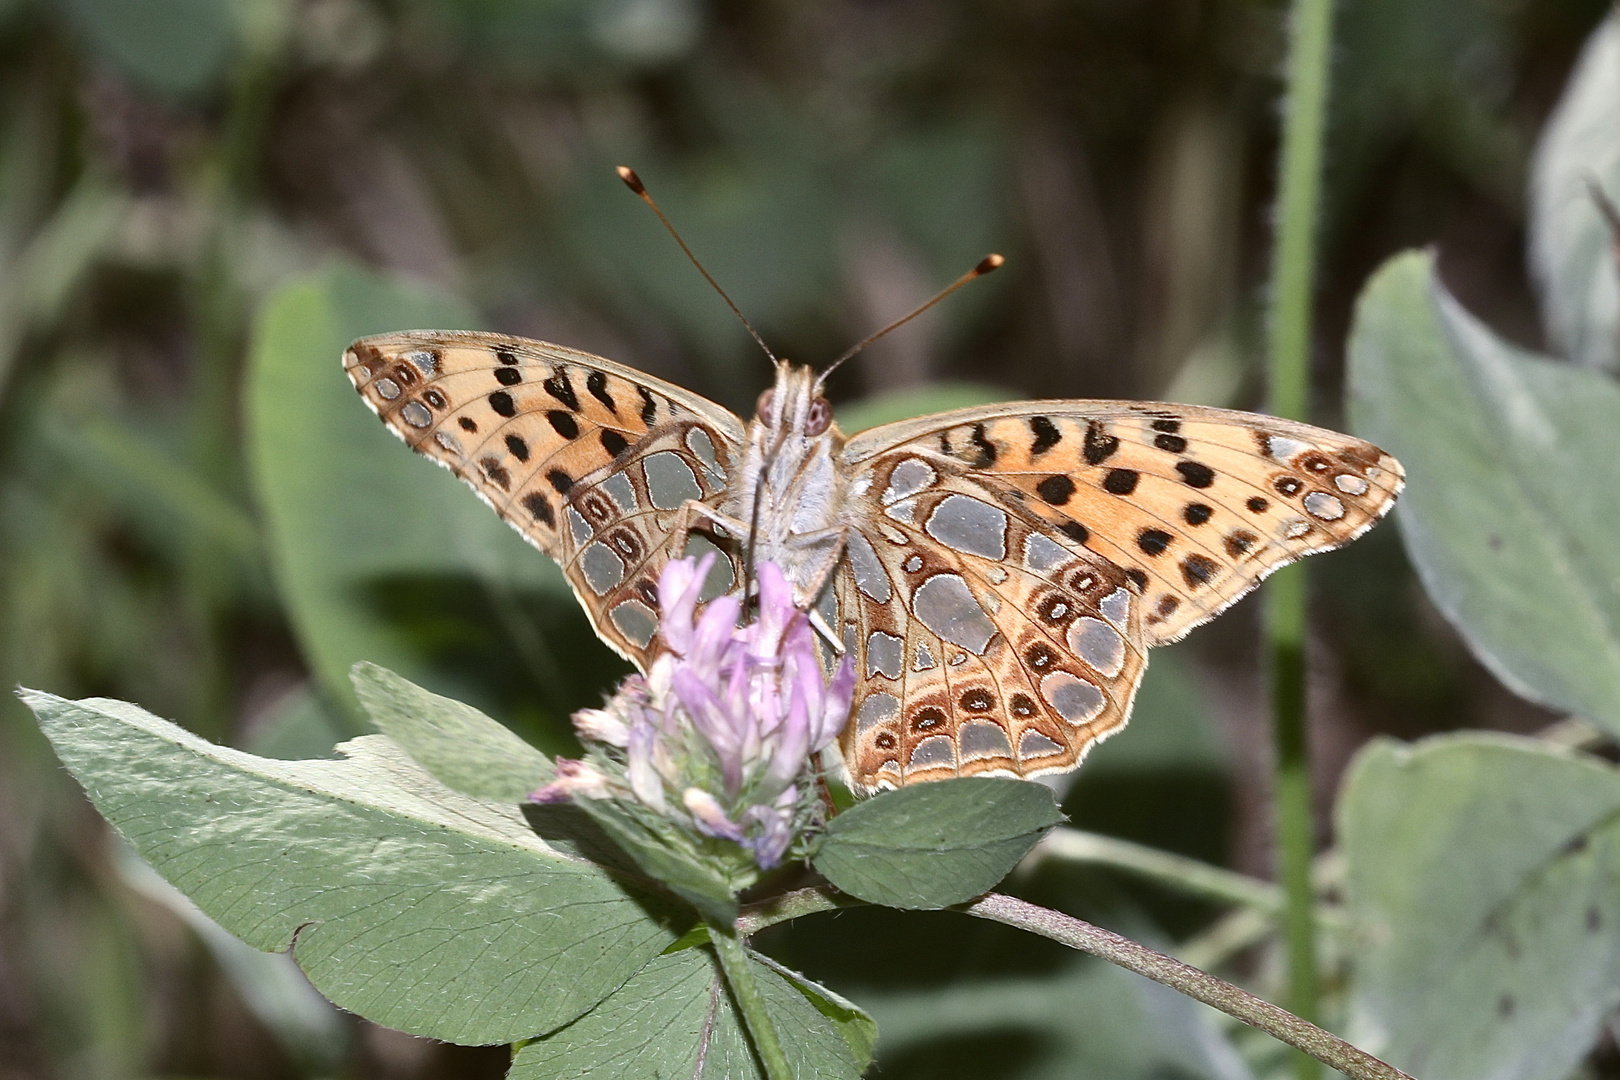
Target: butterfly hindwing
(590, 460)
(981, 645)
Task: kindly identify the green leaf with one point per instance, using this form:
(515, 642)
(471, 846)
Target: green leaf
(676, 1014)
(1484, 880)
(349, 512)
(406, 902)
(934, 845)
(1506, 514)
(663, 854)
(1571, 245)
(460, 746)
(858, 1029)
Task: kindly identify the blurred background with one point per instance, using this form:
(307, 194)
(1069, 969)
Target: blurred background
(201, 201)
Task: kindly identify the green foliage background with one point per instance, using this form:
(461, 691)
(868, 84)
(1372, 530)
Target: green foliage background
(201, 201)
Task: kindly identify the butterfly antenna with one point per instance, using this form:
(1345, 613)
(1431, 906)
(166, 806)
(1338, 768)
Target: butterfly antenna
(633, 182)
(986, 265)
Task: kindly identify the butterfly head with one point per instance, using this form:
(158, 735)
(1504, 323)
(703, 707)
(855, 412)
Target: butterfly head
(794, 406)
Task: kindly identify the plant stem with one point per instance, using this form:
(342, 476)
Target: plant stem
(1293, 280)
(1077, 934)
(1232, 1000)
(745, 989)
(1176, 871)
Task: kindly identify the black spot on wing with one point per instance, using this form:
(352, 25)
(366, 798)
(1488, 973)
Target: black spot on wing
(986, 448)
(1056, 490)
(519, 449)
(468, 424)
(537, 506)
(613, 442)
(1075, 531)
(1100, 445)
(496, 473)
(1167, 425)
(649, 407)
(1174, 444)
(563, 423)
(1153, 541)
(596, 384)
(1196, 513)
(1240, 542)
(561, 481)
(1046, 434)
(505, 357)
(560, 388)
(1257, 505)
(501, 402)
(1136, 577)
(1120, 481)
(508, 376)
(1198, 570)
(1195, 474)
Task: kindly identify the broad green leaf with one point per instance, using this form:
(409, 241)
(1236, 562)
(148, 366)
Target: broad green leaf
(675, 1019)
(934, 845)
(350, 514)
(1512, 501)
(661, 852)
(1572, 247)
(1088, 1020)
(404, 901)
(460, 746)
(857, 1028)
(1484, 881)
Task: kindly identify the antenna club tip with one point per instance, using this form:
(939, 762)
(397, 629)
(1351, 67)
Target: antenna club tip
(631, 180)
(990, 262)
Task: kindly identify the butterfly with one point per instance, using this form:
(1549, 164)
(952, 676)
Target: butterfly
(997, 573)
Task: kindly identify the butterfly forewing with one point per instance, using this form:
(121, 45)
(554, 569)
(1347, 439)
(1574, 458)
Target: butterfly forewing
(1171, 513)
(590, 460)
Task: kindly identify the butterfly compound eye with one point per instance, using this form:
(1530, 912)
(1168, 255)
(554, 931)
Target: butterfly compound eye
(762, 407)
(819, 418)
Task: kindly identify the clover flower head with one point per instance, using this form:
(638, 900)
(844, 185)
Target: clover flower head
(723, 733)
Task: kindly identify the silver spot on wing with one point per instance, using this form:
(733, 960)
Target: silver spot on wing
(698, 441)
(1282, 447)
(884, 654)
(578, 527)
(1116, 607)
(1076, 700)
(944, 604)
(416, 414)
(387, 388)
(1041, 554)
(877, 709)
(870, 577)
(982, 739)
(621, 491)
(1098, 644)
(907, 478)
(602, 567)
(1035, 745)
(670, 480)
(1322, 505)
(721, 578)
(923, 660)
(969, 525)
(933, 752)
(635, 621)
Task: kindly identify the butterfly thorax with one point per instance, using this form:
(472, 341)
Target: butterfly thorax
(790, 487)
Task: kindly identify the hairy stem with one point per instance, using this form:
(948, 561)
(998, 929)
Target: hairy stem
(1236, 1002)
(1293, 279)
(745, 989)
